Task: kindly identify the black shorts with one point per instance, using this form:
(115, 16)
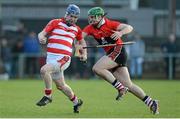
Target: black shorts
(119, 55)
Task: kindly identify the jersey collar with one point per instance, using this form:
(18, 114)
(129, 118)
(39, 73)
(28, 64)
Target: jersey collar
(64, 21)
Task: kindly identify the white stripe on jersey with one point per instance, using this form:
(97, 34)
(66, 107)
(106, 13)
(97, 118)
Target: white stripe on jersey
(59, 46)
(55, 54)
(70, 40)
(63, 32)
(71, 27)
(62, 24)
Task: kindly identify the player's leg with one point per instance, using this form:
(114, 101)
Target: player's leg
(122, 75)
(58, 78)
(46, 71)
(102, 67)
(66, 89)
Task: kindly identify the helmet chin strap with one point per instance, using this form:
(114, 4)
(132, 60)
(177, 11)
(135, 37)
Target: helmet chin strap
(67, 22)
(100, 23)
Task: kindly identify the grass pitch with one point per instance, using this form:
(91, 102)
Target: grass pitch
(18, 99)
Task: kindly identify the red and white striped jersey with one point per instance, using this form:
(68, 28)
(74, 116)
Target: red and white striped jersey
(61, 37)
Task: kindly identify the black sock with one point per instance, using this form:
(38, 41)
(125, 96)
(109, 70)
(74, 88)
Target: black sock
(145, 98)
(117, 85)
(148, 101)
(114, 82)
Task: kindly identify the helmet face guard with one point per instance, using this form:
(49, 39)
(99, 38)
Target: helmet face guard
(94, 20)
(95, 15)
(70, 19)
(72, 14)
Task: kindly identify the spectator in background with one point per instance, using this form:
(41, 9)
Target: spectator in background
(31, 47)
(170, 47)
(21, 30)
(6, 56)
(17, 49)
(137, 52)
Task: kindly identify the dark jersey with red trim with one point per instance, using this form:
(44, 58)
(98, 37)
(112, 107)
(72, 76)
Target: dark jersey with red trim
(102, 34)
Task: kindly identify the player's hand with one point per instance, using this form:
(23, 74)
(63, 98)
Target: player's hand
(83, 58)
(116, 35)
(82, 55)
(42, 39)
(77, 50)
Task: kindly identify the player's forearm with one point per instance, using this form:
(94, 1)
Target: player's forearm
(125, 29)
(83, 44)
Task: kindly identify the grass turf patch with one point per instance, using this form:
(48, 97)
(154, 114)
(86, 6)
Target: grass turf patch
(18, 99)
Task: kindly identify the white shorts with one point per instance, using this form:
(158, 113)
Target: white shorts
(63, 61)
(60, 63)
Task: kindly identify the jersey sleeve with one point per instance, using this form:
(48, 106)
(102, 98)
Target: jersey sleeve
(79, 34)
(51, 25)
(114, 24)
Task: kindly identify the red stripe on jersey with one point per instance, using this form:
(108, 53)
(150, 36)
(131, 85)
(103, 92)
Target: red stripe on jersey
(58, 51)
(67, 29)
(59, 41)
(61, 27)
(61, 35)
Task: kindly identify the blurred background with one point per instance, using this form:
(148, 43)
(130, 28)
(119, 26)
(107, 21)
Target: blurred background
(156, 32)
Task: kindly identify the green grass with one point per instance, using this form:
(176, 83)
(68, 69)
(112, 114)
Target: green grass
(18, 98)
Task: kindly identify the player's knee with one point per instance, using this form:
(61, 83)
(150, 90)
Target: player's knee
(43, 71)
(129, 86)
(98, 71)
(95, 69)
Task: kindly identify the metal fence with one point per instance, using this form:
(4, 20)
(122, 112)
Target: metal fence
(154, 66)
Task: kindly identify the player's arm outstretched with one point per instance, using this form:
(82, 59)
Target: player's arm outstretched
(121, 30)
